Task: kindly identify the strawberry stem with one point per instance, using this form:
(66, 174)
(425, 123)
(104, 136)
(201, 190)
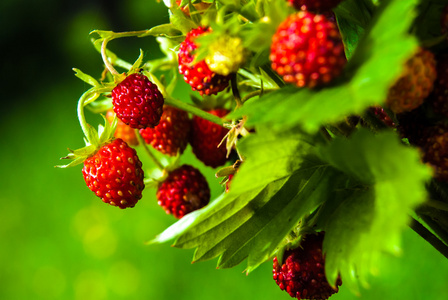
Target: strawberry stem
(148, 151)
(194, 110)
(106, 61)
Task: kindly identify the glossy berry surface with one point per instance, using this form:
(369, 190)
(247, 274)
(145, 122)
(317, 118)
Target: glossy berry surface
(314, 5)
(137, 101)
(123, 131)
(183, 191)
(307, 50)
(198, 75)
(205, 138)
(115, 174)
(415, 84)
(302, 272)
(171, 135)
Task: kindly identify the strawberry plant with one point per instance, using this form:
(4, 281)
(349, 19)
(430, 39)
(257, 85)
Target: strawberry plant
(331, 128)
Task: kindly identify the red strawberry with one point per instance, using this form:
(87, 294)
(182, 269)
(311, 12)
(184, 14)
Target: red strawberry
(314, 5)
(137, 101)
(411, 89)
(183, 191)
(198, 75)
(205, 138)
(435, 149)
(115, 174)
(302, 273)
(123, 131)
(171, 135)
(307, 50)
(439, 97)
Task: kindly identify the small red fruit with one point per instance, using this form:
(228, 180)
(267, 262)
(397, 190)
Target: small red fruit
(205, 138)
(417, 81)
(183, 191)
(302, 273)
(439, 96)
(314, 5)
(307, 50)
(171, 135)
(114, 173)
(123, 131)
(198, 75)
(137, 101)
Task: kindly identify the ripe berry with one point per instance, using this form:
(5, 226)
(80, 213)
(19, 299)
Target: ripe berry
(123, 131)
(435, 149)
(307, 50)
(411, 89)
(302, 273)
(171, 135)
(115, 174)
(198, 75)
(205, 138)
(137, 101)
(439, 96)
(183, 191)
(314, 5)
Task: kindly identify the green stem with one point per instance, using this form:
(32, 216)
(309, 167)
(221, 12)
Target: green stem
(194, 110)
(148, 151)
(429, 237)
(86, 98)
(106, 61)
(235, 91)
(441, 233)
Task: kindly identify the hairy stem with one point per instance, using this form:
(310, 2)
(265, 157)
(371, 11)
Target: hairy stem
(105, 59)
(148, 151)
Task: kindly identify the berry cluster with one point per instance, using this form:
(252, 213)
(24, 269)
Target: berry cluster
(231, 57)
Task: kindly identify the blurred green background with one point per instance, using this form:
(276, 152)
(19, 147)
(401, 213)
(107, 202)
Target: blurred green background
(57, 240)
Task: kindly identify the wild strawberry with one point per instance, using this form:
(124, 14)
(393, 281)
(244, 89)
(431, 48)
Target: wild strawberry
(307, 50)
(302, 272)
(115, 174)
(198, 75)
(226, 55)
(171, 135)
(205, 138)
(314, 5)
(183, 191)
(137, 101)
(439, 96)
(123, 131)
(411, 89)
(435, 149)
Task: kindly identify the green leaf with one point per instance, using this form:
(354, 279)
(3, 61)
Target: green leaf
(351, 34)
(166, 30)
(376, 63)
(269, 156)
(368, 222)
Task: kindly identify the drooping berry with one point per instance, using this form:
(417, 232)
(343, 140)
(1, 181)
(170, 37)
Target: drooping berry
(114, 173)
(205, 138)
(314, 5)
(171, 135)
(302, 272)
(307, 50)
(439, 96)
(137, 101)
(198, 75)
(123, 131)
(417, 81)
(183, 191)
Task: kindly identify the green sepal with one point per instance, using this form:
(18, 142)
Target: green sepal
(85, 77)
